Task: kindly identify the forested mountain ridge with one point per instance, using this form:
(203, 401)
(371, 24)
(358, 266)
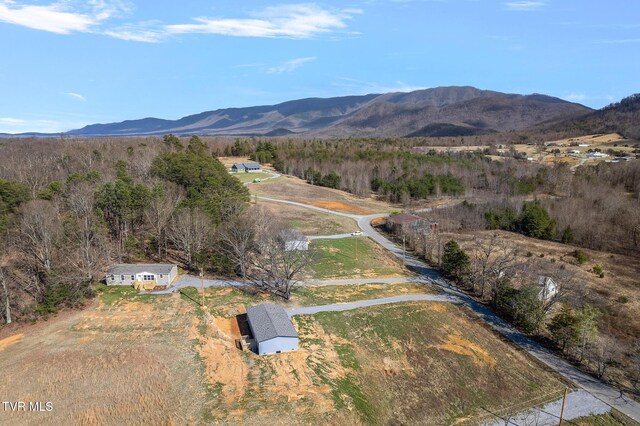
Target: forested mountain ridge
(621, 117)
(441, 111)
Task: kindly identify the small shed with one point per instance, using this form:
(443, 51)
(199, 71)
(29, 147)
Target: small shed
(291, 245)
(246, 167)
(400, 223)
(272, 329)
(144, 275)
(548, 288)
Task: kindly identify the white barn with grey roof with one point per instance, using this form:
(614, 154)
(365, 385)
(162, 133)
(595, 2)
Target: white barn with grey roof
(162, 274)
(246, 167)
(272, 329)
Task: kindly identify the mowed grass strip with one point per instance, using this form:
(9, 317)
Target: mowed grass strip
(310, 222)
(427, 363)
(250, 177)
(356, 257)
(325, 295)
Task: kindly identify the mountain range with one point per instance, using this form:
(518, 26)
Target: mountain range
(441, 111)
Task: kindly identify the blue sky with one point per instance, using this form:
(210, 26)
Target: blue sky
(68, 63)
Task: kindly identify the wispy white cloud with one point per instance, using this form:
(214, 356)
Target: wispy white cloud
(76, 96)
(290, 66)
(296, 21)
(354, 86)
(19, 125)
(575, 97)
(62, 17)
(524, 6)
(621, 41)
(288, 21)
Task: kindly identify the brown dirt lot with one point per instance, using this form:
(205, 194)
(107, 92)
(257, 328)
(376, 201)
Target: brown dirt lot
(308, 221)
(294, 189)
(115, 364)
(131, 359)
(424, 363)
(617, 294)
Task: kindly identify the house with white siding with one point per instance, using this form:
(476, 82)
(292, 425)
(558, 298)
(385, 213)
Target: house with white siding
(272, 329)
(142, 275)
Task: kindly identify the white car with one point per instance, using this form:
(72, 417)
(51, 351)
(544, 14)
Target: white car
(356, 233)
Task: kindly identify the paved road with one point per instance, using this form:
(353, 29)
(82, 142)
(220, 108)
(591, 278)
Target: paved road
(192, 281)
(329, 237)
(595, 387)
(310, 310)
(578, 404)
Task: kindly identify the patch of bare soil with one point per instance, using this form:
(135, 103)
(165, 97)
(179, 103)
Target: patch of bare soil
(294, 189)
(617, 293)
(106, 365)
(279, 389)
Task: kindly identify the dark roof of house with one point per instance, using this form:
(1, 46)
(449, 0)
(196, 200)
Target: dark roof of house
(136, 268)
(247, 165)
(269, 321)
(404, 218)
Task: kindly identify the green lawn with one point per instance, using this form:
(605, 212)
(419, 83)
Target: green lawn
(249, 177)
(352, 258)
(405, 363)
(325, 295)
(600, 420)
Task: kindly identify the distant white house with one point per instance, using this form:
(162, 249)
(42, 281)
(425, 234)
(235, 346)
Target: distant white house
(293, 239)
(597, 155)
(142, 275)
(548, 288)
(582, 144)
(272, 329)
(574, 151)
(302, 245)
(246, 167)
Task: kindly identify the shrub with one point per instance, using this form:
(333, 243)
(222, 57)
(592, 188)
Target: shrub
(581, 257)
(597, 269)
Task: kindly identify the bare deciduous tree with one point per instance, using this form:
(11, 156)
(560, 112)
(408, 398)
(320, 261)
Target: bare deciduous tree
(276, 266)
(7, 304)
(189, 231)
(158, 213)
(40, 230)
(237, 238)
(83, 233)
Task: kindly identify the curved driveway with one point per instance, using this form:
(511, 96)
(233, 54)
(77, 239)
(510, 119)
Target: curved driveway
(310, 310)
(595, 387)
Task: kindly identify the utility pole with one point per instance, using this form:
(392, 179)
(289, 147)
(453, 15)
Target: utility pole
(356, 237)
(202, 282)
(404, 251)
(564, 398)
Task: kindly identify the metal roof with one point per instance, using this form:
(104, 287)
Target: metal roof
(136, 268)
(269, 321)
(247, 165)
(404, 218)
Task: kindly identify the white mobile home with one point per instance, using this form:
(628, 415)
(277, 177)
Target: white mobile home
(146, 275)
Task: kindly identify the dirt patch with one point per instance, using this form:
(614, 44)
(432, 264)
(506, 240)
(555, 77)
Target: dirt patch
(5, 343)
(294, 189)
(337, 206)
(461, 346)
(80, 361)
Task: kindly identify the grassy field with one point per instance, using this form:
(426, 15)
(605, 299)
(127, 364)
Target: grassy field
(308, 221)
(405, 363)
(294, 189)
(600, 420)
(163, 360)
(250, 177)
(617, 294)
(338, 259)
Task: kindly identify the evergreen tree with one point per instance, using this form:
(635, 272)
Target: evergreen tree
(535, 221)
(455, 262)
